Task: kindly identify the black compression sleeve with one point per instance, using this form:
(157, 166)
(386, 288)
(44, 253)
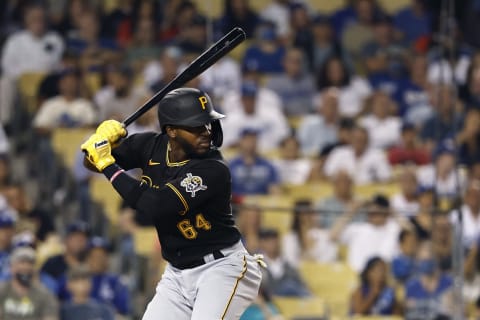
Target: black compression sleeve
(139, 196)
(129, 188)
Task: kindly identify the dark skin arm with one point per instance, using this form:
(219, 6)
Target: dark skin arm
(362, 304)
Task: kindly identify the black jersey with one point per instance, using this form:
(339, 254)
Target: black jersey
(200, 221)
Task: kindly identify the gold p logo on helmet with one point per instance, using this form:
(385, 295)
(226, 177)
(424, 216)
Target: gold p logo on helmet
(203, 101)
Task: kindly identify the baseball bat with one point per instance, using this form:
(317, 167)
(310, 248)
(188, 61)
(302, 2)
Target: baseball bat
(219, 49)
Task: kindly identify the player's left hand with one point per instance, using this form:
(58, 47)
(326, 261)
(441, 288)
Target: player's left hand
(98, 151)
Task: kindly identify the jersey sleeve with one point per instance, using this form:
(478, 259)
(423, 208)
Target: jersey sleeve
(133, 151)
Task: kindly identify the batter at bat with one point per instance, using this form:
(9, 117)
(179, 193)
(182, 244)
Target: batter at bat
(186, 189)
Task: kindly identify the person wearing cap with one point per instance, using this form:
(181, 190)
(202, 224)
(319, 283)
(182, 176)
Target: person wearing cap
(376, 236)
(258, 108)
(251, 173)
(107, 287)
(23, 297)
(81, 306)
(7, 232)
(76, 241)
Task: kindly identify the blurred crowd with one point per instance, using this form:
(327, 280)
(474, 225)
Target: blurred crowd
(357, 97)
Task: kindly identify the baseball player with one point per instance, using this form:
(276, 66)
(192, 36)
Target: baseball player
(185, 187)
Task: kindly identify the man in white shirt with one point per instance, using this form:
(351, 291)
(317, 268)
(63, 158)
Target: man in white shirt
(34, 49)
(67, 109)
(256, 108)
(377, 236)
(405, 203)
(366, 165)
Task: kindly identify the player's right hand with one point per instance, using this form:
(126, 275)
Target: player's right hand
(98, 151)
(112, 130)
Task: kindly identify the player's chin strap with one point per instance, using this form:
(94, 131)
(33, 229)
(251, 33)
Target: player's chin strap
(259, 258)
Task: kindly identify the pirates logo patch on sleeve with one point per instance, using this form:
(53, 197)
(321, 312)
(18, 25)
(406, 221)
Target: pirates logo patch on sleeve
(193, 184)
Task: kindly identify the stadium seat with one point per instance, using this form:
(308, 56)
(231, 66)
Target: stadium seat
(145, 239)
(333, 282)
(28, 85)
(327, 7)
(66, 143)
(312, 190)
(102, 192)
(391, 7)
(301, 308)
(369, 190)
(377, 318)
(276, 211)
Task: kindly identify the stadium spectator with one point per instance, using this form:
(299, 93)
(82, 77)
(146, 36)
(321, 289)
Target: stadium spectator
(69, 109)
(468, 139)
(374, 296)
(470, 92)
(251, 173)
(442, 240)
(176, 16)
(193, 38)
(358, 33)
(353, 90)
(301, 35)
(107, 287)
(377, 236)
(408, 150)
(413, 22)
(265, 54)
(324, 43)
(5, 171)
(222, 78)
(81, 306)
(413, 98)
(405, 202)
(428, 295)
(7, 231)
(442, 175)
(278, 13)
(422, 221)
(23, 297)
(446, 118)
(238, 13)
(258, 109)
(319, 129)
(280, 277)
(470, 211)
(292, 168)
(471, 285)
(364, 164)
(404, 264)
(381, 123)
(17, 199)
(157, 74)
(32, 49)
(121, 97)
(144, 47)
(294, 86)
(306, 241)
(343, 196)
(76, 241)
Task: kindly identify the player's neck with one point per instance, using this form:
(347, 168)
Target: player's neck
(175, 153)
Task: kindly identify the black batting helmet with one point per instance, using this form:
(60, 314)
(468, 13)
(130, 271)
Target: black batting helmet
(190, 107)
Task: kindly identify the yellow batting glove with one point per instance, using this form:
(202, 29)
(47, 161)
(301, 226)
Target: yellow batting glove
(98, 151)
(112, 130)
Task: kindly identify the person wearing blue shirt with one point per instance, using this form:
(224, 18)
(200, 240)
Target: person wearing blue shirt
(403, 265)
(252, 174)
(374, 296)
(413, 22)
(266, 55)
(7, 230)
(428, 293)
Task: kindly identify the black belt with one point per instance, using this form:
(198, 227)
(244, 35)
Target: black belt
(196, 262)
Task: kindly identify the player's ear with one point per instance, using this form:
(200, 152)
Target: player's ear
(171, 131)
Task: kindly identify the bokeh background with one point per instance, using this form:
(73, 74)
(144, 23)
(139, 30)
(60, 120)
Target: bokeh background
(352, 134)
